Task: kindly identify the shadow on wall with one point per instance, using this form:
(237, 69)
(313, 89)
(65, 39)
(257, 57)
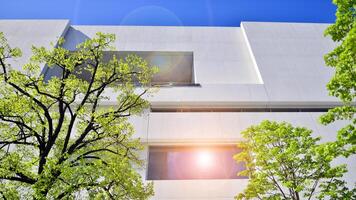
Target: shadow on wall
(76, 37)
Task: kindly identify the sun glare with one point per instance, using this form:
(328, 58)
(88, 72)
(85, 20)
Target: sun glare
(205, 159)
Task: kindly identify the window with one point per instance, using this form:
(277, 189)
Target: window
(193, 162)
(175, 68)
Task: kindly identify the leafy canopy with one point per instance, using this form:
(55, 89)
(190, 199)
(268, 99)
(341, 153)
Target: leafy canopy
(55, 140)
(343, 83)
(286, 162)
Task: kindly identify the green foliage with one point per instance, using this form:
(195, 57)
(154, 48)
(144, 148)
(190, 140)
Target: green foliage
(55, 142)
(343, 60)
(286, 162)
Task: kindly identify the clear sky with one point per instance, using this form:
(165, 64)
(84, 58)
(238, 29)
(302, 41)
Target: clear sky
(170, 12)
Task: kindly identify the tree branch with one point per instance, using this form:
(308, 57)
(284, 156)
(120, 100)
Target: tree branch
(20, 179)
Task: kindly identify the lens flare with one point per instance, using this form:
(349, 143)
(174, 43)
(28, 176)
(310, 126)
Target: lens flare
(205, 159)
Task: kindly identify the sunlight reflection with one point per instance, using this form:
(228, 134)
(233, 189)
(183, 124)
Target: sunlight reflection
(205, 159)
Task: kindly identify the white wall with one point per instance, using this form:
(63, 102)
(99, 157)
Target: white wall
(290, 72)
(220, 54)
(25, 33)
(290, 64)
(290, 59)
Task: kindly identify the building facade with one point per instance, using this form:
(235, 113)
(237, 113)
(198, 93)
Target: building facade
(214, 83)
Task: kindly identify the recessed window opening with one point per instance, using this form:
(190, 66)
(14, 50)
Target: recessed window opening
(175, 68)
(193, 162)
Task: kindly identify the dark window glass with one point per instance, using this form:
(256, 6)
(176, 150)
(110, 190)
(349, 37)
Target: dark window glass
(175, 68)
(193, 162)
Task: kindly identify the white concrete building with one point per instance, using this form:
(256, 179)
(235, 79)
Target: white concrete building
(217, 82)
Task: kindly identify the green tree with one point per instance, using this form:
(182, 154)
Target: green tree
(56, 142)
(343, 83)
(286, 162)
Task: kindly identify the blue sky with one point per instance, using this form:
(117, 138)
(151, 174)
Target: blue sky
(170, 12)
